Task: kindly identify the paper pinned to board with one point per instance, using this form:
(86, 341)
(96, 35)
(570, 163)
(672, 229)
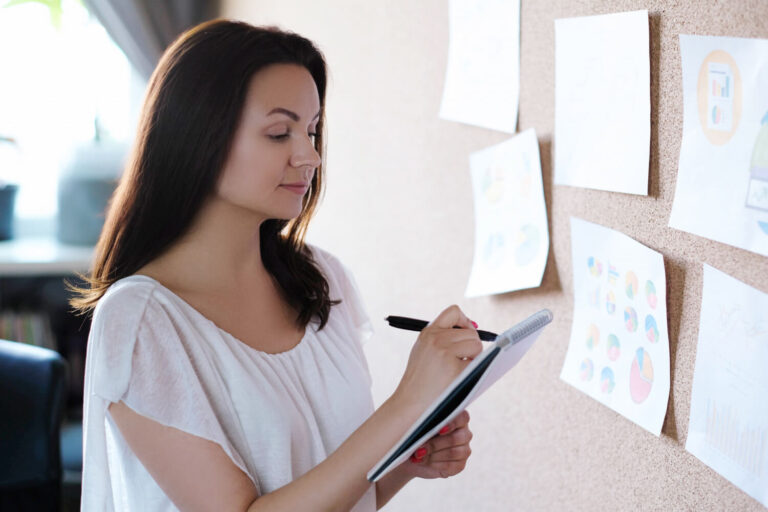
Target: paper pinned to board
(722, 180)
(728, 427)
(511, 231)
(602, 102)
(619, 348)
(482, 78)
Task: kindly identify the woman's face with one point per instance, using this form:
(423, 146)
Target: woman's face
(273, 157)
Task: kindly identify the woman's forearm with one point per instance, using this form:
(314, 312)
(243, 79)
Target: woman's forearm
(340, 481)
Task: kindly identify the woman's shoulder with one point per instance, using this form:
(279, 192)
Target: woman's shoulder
(129, 291)
(118, 320)
(328, 262)
(126, 300)
(319, 252)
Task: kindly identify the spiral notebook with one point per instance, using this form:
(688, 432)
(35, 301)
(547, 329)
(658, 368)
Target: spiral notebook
(496, 360)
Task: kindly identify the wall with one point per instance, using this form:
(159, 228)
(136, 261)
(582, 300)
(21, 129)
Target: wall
(398, 211)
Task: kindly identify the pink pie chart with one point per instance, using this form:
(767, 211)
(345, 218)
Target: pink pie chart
(640, 376)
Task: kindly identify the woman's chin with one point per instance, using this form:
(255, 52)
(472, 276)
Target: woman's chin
(288, 214)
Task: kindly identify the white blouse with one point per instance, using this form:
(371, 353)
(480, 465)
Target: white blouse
(275, 415)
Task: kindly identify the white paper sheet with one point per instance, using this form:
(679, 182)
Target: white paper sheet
(619, 348)
(482, 78)
(728, 427)
(602, 102)
(722, 180)
(511, 232)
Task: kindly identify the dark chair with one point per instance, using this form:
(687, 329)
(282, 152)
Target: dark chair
(32, 401)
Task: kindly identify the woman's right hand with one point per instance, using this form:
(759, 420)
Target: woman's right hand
(438, 356)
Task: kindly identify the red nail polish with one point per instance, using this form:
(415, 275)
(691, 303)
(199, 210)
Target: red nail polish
(474, 323)
(445, 429)
(420, 453)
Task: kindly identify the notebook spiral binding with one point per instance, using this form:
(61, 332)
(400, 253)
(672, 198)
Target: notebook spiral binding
(533, 323)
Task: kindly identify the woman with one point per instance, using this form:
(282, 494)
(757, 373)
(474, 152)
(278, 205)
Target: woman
(225, 369)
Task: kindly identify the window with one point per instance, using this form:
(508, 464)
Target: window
(57, 81)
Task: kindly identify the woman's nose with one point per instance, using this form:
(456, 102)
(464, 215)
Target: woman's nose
(306, 155)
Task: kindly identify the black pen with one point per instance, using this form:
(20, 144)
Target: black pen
(412, 324)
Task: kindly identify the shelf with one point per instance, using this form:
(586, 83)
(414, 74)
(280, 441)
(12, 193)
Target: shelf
(43, 256)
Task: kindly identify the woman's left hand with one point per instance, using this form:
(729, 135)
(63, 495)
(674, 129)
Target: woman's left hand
(445, 454)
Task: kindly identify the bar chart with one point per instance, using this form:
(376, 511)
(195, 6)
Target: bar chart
(742, 443)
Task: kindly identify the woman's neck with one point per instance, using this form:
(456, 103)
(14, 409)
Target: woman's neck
(220, 251)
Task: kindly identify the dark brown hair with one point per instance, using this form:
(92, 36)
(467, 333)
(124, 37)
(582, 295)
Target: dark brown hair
(190, 114)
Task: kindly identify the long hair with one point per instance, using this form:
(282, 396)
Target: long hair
(191, 111)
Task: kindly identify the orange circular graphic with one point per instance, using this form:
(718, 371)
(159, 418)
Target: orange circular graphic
(719, 97)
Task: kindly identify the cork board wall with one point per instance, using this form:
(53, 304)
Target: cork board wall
(398, 211)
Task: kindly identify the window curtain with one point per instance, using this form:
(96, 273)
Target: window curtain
(144, 28)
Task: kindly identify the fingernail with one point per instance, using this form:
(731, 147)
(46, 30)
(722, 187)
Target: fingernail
(474, 323)
(445, 429)
(421, 452)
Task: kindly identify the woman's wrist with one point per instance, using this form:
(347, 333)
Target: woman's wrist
(404, 405)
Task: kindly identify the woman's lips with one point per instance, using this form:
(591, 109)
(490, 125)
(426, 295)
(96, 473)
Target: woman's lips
(296, 188)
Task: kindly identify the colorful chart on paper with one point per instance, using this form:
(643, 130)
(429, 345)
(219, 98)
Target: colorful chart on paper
(724, 150)
(619, 348)
(511, 232)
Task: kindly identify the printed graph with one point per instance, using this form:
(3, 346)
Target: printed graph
(744, 444)
(721, 77)
(719, 97)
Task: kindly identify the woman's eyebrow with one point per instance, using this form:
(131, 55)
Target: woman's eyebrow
(289, 113)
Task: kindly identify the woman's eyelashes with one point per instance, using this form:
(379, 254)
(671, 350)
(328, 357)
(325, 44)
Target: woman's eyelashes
(283, 136)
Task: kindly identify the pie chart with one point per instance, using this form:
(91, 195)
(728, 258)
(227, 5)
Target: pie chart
(614, 347)
(586, 369)
(640, 376)
(651, 329)
(631, 282)
(650, 294)
(630, 319)
(607, 382)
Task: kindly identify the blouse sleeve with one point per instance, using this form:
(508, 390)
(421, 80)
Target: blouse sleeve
(343, 286)
(142, 358)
